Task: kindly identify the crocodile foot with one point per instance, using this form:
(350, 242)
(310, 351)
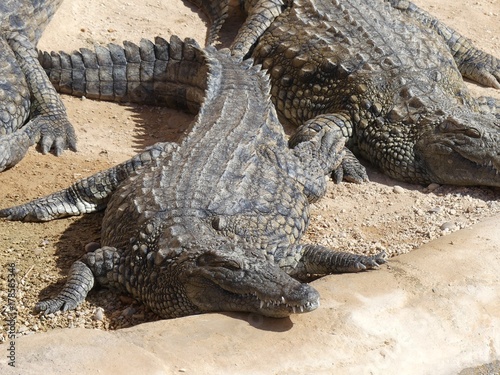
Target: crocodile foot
(350, 170)
(80, 281)
(55, 134)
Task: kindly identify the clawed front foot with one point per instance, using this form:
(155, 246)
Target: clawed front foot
(80, 281)
(346, 262)
(370, 262)
(482, 68)
(56, 133)
(319, 260)
(350, 170)
(53, 305)
(336, 129)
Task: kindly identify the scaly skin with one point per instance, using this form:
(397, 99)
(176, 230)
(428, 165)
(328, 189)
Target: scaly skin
(30, 109)
(217, 12)
(214, 224)
(159, 73)
(387, 74)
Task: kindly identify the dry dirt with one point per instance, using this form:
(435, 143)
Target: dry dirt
(382, 214)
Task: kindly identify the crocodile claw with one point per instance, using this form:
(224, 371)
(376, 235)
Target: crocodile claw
(371, 262)
(53, 305)
(350, 170)
(55, 134)
(375, 261)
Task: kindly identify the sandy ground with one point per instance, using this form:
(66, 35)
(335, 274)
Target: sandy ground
(382, 214)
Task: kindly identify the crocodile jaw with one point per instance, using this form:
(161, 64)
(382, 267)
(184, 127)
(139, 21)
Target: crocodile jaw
(252, 284)
(459, 153)
(456, 169)
(213, 297)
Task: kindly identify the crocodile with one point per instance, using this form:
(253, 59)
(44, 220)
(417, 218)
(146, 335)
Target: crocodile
(213, 223)
(30, 109)
(390, 76)
(385, 73)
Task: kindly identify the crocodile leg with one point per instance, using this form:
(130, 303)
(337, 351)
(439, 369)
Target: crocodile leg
(82, 274)
(13, 147)
(322, 132)
(87, 195)
(340, 127)
(14, 110)
(80, 281)
(261, 13)
(319, 261)
(49, 120)
(473, 63)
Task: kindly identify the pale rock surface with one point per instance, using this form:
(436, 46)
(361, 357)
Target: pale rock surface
(433, 311)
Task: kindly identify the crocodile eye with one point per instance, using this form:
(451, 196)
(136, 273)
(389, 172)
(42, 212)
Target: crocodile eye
(473, 133)
(451, 125)
(232, 265)
(229, 264)
(212, 260)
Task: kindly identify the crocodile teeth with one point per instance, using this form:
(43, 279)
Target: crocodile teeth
(282, 302)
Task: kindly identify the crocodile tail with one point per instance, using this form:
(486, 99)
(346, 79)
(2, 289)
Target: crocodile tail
(89, 194)
(216, 12)
(161, 73)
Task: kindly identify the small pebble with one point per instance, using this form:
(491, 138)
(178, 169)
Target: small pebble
(38, 251)
(398, 189)
(435, 210)
(449, 225)
(44, 242)
(99, 314)
(433, 186)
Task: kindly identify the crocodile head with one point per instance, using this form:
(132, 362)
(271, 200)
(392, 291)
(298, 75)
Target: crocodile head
(460, 149)
(232, 278)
